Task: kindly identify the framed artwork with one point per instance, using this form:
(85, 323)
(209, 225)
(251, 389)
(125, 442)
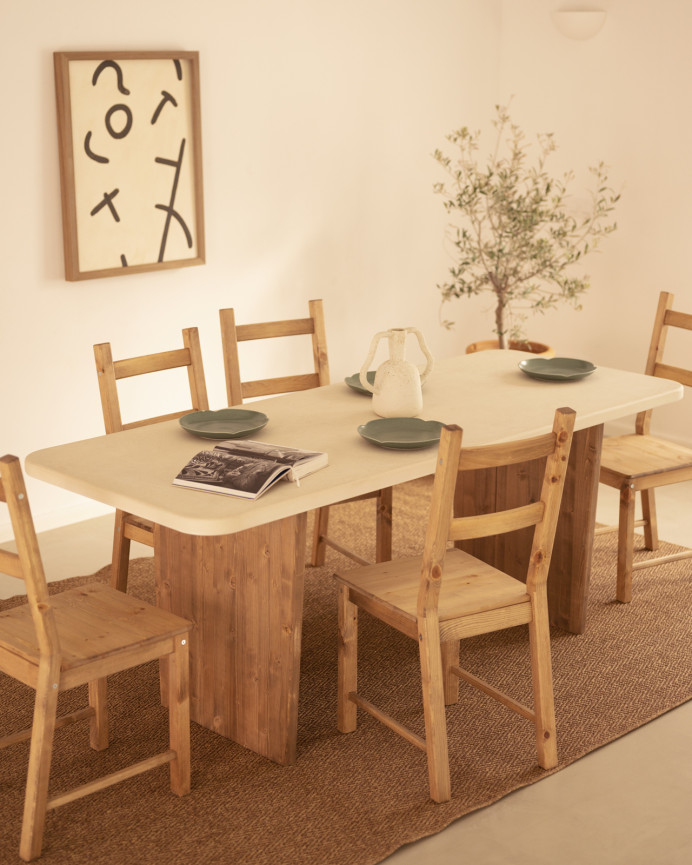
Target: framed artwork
(130, 143)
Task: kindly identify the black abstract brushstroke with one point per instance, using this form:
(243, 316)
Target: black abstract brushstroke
(128, 125)
(167, 97)
(90, 153)
(168, 208)
(181, 222)
(178, 69)
(118, 71)
(107, 201)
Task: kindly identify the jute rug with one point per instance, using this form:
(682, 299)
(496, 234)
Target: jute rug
(354, 799)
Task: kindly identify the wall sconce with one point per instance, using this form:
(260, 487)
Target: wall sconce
(579, 23)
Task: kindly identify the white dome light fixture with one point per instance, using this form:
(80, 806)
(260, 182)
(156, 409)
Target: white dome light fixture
(579, 23)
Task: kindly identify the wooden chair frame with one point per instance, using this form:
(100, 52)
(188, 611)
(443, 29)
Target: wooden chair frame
(59, 641)
(129, 527)
(237, 390)
(409, 595)
(641, 462)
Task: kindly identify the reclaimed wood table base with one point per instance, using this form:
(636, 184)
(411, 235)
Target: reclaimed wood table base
(244, 594)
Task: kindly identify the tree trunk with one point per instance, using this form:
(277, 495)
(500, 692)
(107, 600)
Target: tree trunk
(500, 322)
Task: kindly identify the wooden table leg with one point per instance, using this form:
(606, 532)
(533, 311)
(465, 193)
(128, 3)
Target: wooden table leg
(244, 593)
(485, 490)
(570, 568)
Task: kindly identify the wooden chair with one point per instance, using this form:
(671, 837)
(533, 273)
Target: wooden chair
(55, 642)
(129, 527)
(447, 594)
(641, 462)
(237, 391)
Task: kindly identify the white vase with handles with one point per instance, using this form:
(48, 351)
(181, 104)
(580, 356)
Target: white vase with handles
(397, 389)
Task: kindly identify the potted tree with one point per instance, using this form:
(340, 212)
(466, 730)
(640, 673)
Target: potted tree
(513, 233)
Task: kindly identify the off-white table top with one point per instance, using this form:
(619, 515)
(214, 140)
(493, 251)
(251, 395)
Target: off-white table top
(485, 393)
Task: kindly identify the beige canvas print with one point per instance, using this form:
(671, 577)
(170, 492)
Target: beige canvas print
(129, 127)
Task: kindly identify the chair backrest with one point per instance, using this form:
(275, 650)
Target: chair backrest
(26, 562)
(443, 527)
(110, 372)
(666, 317)
(232, 334)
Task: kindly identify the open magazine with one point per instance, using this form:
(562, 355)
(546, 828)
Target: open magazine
(247, 468)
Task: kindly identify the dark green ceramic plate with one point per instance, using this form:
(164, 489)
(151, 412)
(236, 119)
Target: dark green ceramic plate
(353, 381)
(556, 368)
(227, 423)
(403, 433)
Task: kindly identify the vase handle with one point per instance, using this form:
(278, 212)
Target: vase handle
(426, 351)
(368, 360)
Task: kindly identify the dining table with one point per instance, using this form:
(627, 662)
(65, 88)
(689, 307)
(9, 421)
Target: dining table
(235, 567)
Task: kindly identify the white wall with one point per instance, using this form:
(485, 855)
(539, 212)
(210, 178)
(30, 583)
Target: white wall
(623, 97)
(319, 118)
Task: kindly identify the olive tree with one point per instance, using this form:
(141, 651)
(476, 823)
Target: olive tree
(513, 231)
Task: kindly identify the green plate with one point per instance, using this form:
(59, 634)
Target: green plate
(353, 381)
(556, 368)
(227, 423)
(402, 433)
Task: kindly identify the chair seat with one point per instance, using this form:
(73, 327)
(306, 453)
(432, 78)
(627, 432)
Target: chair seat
(446, 595)
(470, 586)
(95, 624)
(640, 456)
(80, 637)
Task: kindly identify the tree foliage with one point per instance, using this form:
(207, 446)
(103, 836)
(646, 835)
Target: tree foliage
(514, 233)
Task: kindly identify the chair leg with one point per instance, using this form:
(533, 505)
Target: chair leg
(434, 709)
(651, 523)
(383, 530)
(121, 554)
(36, 797)
(98, 724)
(625, 545)
(347, 676)
(542, 675)
(450, 658)
(179, 714)
(383, 549)
(319, 548)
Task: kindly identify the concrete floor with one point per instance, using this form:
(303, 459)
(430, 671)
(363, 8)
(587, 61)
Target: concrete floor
(629, 803)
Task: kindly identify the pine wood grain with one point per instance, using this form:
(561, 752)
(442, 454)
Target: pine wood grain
(80, 636)
(448, 594)
(244, 593)
(642, 462)
(129, 527)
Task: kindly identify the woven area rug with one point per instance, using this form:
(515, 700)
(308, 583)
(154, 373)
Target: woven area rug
(354, 799)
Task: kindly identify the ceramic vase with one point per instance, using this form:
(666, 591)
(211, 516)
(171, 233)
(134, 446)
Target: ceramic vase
(397, 388)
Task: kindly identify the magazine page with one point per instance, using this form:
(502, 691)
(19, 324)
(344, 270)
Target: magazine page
(300, 462)
(277, 453)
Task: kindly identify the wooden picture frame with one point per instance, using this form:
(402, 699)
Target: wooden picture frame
(130, 142)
